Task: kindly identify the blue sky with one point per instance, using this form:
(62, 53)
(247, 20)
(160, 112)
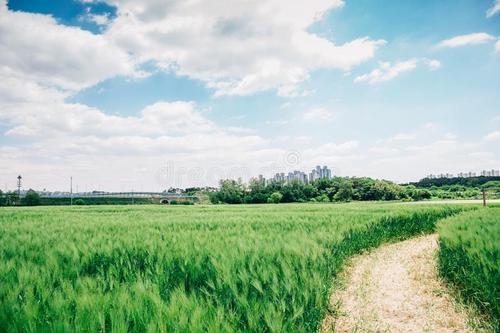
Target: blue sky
(118, 91)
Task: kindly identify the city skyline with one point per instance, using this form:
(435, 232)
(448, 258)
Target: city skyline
(297, 175)
(111, 91)
(317, 172)
(469, 174)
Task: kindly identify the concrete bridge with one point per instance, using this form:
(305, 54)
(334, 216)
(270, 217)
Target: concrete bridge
(167, 199)
(162, 197)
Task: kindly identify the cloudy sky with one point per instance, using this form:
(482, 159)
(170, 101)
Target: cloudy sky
(143, 95)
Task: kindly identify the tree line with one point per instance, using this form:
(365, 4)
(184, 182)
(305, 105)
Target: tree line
(339, 189)
(478, 181)
(11, 198)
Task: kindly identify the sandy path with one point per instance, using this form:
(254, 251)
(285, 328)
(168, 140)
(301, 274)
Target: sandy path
(395, 288)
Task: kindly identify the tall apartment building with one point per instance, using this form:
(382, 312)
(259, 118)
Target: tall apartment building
(466, 174)
(297, 175)
(485, 173)
(280, 177)
(490, 173)
(441, 175)
(317, 173)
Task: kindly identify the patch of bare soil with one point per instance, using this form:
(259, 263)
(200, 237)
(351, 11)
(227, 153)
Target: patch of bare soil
(396, 288)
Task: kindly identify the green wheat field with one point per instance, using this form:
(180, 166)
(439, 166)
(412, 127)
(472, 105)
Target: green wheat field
(258, 268)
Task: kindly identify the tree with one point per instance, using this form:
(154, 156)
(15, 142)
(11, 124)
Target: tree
(258, 192)
(230, 192)
(275, 197)
(362, 188)
(421, 194)
(344, 193)
(309, 191)
(31, 198)
(2, 199)
(295, 191)
(492, 184)
(11, 198)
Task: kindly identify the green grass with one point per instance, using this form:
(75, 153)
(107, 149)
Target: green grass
(260, 268)
(469, 257)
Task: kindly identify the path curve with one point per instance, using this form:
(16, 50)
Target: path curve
(395, 288)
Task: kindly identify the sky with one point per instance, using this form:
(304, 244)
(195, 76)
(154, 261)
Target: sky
(143, 95)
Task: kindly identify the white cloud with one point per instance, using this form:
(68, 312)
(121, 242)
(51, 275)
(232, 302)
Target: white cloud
(433, 64)
(35, 48)
(294, 139)
(99, 19)
(61, 139)
(318, 114)
(175, 126)
(493, 136)
(495, 9)
(470, 39)
(403, 137)
(387, 71)
(497, 46)
(399, 137)
(332, 149)
(236, 50)
(342, 157)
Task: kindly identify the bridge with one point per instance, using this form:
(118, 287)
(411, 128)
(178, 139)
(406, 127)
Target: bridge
(162, 197)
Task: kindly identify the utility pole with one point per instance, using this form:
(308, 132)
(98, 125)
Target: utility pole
(71, 191)
(19, 178)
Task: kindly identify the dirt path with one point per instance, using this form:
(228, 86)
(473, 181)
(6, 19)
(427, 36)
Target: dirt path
(395, 288)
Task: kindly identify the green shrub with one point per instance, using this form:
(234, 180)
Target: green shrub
(79, 202)
(275, 197)
(322, 198)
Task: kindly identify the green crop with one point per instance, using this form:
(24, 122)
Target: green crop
(469, 257)
(260, 268)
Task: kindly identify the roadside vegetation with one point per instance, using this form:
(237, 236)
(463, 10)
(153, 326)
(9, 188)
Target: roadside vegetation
(187, 269)
(469, 258)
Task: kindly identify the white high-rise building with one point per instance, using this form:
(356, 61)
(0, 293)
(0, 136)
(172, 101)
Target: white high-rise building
(319, 172)
(490, 173)
(466, 174)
